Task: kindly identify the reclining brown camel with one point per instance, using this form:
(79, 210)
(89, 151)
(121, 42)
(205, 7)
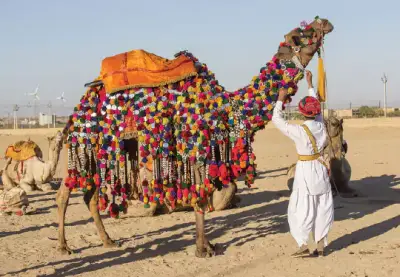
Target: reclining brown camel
(254, 101)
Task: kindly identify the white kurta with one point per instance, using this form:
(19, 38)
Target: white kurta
(311, 202)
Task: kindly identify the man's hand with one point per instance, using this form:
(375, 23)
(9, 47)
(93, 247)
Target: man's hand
(282, 95)
(309, 78)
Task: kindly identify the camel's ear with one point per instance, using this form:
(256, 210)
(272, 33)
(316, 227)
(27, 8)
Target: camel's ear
(341, 121)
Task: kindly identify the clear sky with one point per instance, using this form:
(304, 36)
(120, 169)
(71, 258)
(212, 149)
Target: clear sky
(60, 44)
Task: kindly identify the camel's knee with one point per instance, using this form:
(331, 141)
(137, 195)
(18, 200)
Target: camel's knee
(91, 199)
(62, 195)
(45, 187)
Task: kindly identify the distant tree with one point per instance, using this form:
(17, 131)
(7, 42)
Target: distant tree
(366, 111)
(395, 113)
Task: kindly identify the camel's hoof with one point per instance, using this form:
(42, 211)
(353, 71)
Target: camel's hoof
(112, 244)
(65, 250)
(203, 253)
(206, 252)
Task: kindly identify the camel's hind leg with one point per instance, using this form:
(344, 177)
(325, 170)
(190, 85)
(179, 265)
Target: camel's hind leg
(203, 247)
(62, 199)
(91, 199)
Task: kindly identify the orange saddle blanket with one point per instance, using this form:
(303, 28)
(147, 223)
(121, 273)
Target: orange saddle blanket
(23, 150)
(139, 68)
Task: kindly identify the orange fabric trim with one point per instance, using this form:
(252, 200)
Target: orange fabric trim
(21, 150)
(139, 68)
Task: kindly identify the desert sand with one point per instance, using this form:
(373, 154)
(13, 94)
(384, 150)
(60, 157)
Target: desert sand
(364, 241)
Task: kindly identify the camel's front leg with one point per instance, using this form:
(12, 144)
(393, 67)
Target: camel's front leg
(62, 199)
(203, 247)
(91, 199)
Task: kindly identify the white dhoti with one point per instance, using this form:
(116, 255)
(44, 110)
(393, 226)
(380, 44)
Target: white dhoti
(310, 213)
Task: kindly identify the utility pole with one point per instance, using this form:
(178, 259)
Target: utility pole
(384, 81)
(29, 118)
(15, 110)
(49, 115)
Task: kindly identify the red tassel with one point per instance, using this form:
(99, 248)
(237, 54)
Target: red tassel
(223, 171)
(103, 202)
(214, 171)
(114, 210)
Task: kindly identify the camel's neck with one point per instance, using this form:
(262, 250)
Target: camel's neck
(259, 97)
(53, 160)
(335, 144)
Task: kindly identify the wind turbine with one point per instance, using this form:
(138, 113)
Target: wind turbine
(35, 98)
(35, 94)
(62, 98)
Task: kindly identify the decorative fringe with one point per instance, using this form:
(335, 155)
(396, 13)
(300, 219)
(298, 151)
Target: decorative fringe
(153, 85)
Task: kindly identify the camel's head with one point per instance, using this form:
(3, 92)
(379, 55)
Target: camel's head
(334, 126)
(305, 41)
(55, 142)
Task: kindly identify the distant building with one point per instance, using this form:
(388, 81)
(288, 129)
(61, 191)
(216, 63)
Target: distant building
(45, 119)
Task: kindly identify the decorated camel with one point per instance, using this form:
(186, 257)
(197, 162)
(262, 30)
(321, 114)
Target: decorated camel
(25, 166)
(334, 155)
(169, 127)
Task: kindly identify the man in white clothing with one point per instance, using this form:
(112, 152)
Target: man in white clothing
(311, 202)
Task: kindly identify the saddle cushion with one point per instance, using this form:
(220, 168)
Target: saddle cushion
(139, 68)
(23, 150)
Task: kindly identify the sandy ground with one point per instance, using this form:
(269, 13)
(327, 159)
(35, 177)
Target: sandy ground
(255, 239)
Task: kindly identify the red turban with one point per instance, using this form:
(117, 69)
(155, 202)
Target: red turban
(309, 106)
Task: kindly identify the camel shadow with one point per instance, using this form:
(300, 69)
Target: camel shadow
(37, 228)
(266, 173)
(53, 198)
(364, 234)
(377, 193)
(247, 226)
